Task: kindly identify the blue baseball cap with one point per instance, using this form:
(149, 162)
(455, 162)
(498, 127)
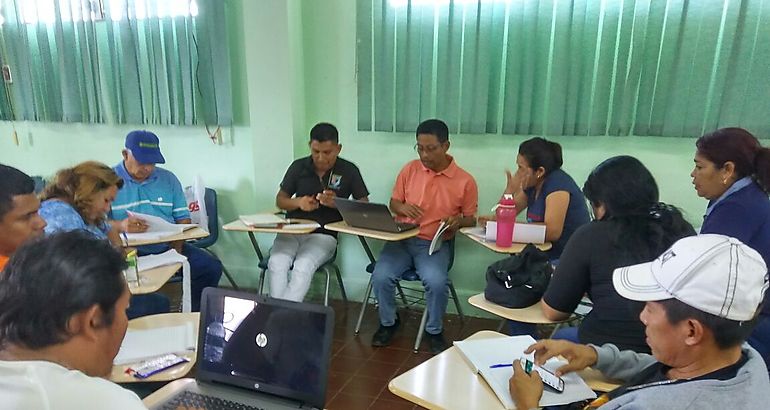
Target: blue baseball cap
(145, 147)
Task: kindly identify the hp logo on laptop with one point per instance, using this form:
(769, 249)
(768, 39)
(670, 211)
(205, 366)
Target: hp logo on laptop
(261, 340)
(256, 385)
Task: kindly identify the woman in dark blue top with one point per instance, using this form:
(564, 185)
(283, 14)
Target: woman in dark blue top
(732, 171)
(548, 193)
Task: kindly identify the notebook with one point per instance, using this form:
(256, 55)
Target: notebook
(369, 215)
(259, 353)
(481, 354)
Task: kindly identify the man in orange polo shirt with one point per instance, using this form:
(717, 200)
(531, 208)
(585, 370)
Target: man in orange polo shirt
(19, 221)
(427, 191)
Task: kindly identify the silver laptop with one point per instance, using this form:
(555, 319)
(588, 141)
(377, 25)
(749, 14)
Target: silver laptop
(258, 352)
(369, 215)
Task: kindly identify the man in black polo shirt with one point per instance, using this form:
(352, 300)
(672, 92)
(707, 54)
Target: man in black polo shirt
(307, 191)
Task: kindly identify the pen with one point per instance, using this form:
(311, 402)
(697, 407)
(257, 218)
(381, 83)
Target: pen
(499, 365)
(125, 238)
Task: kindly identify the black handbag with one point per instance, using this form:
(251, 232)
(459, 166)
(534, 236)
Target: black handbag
(519, 280)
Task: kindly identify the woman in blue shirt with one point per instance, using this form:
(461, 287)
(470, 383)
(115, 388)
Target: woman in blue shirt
(732, 171)
(79, 198)
(548, 193)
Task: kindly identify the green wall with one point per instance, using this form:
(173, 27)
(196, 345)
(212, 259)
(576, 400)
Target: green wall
(293, 64)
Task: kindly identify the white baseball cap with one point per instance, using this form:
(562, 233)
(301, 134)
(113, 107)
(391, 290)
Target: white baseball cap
(715, 274)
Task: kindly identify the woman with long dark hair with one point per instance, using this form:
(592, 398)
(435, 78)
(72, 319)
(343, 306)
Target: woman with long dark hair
(732, 171)
(631, 226)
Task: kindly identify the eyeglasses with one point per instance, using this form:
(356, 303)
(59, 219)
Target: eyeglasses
(427, 148)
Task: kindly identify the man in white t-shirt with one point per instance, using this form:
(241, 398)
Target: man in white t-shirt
(63, 301)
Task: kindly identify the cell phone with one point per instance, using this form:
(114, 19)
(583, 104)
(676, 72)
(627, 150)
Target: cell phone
(548, 378)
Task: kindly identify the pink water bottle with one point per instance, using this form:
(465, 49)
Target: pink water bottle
(506, 218)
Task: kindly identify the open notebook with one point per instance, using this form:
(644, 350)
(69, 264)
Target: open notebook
(481, 354)
(156, 228)
(139, 345)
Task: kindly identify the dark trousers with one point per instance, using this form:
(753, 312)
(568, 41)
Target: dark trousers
(205, 269)
(149, 304)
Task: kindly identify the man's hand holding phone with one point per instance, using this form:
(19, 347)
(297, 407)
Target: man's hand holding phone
(578, 356)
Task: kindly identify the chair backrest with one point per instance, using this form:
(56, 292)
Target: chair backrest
(210, 199)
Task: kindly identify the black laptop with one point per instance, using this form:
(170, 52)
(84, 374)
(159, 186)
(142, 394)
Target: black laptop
(369, 215)
(258, 353)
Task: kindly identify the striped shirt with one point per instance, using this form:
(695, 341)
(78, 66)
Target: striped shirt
(160, 194)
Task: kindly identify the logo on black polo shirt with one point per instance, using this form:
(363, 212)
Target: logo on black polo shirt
(335, 181)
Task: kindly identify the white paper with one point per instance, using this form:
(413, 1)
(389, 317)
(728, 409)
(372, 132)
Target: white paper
(158, 224)
(140, 345)
(438, 240)
(262, 219)
(148, 236)
(169, 257)
(522, 232)
(490, 234)
(480, 354)
(289, 227)
(528, 233)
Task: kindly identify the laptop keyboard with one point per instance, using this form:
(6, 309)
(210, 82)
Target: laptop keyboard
(198, 401)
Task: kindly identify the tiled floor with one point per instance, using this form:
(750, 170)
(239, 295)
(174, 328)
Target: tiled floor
(359, 373)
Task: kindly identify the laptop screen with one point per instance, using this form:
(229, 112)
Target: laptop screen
(266, 345)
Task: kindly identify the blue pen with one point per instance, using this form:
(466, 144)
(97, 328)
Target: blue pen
(499, 365)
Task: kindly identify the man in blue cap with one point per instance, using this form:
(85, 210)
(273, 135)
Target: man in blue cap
(151, 190)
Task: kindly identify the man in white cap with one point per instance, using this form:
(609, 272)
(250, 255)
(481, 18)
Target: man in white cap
(702, 297)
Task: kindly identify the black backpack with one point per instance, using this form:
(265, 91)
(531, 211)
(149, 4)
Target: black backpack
(519, 280)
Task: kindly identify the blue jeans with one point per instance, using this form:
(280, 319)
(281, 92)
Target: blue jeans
(205, 269)
(402, 256)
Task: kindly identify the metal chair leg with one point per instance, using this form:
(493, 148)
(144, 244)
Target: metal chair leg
(230, 278)
(261, 282)
(421, 330)
(363, 305)
(339, 281)
(326, 291)
(224, 270)
(457, 302)
(401, 293)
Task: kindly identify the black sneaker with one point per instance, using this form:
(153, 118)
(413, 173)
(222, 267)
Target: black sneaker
(383, 335)
(436, 342)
